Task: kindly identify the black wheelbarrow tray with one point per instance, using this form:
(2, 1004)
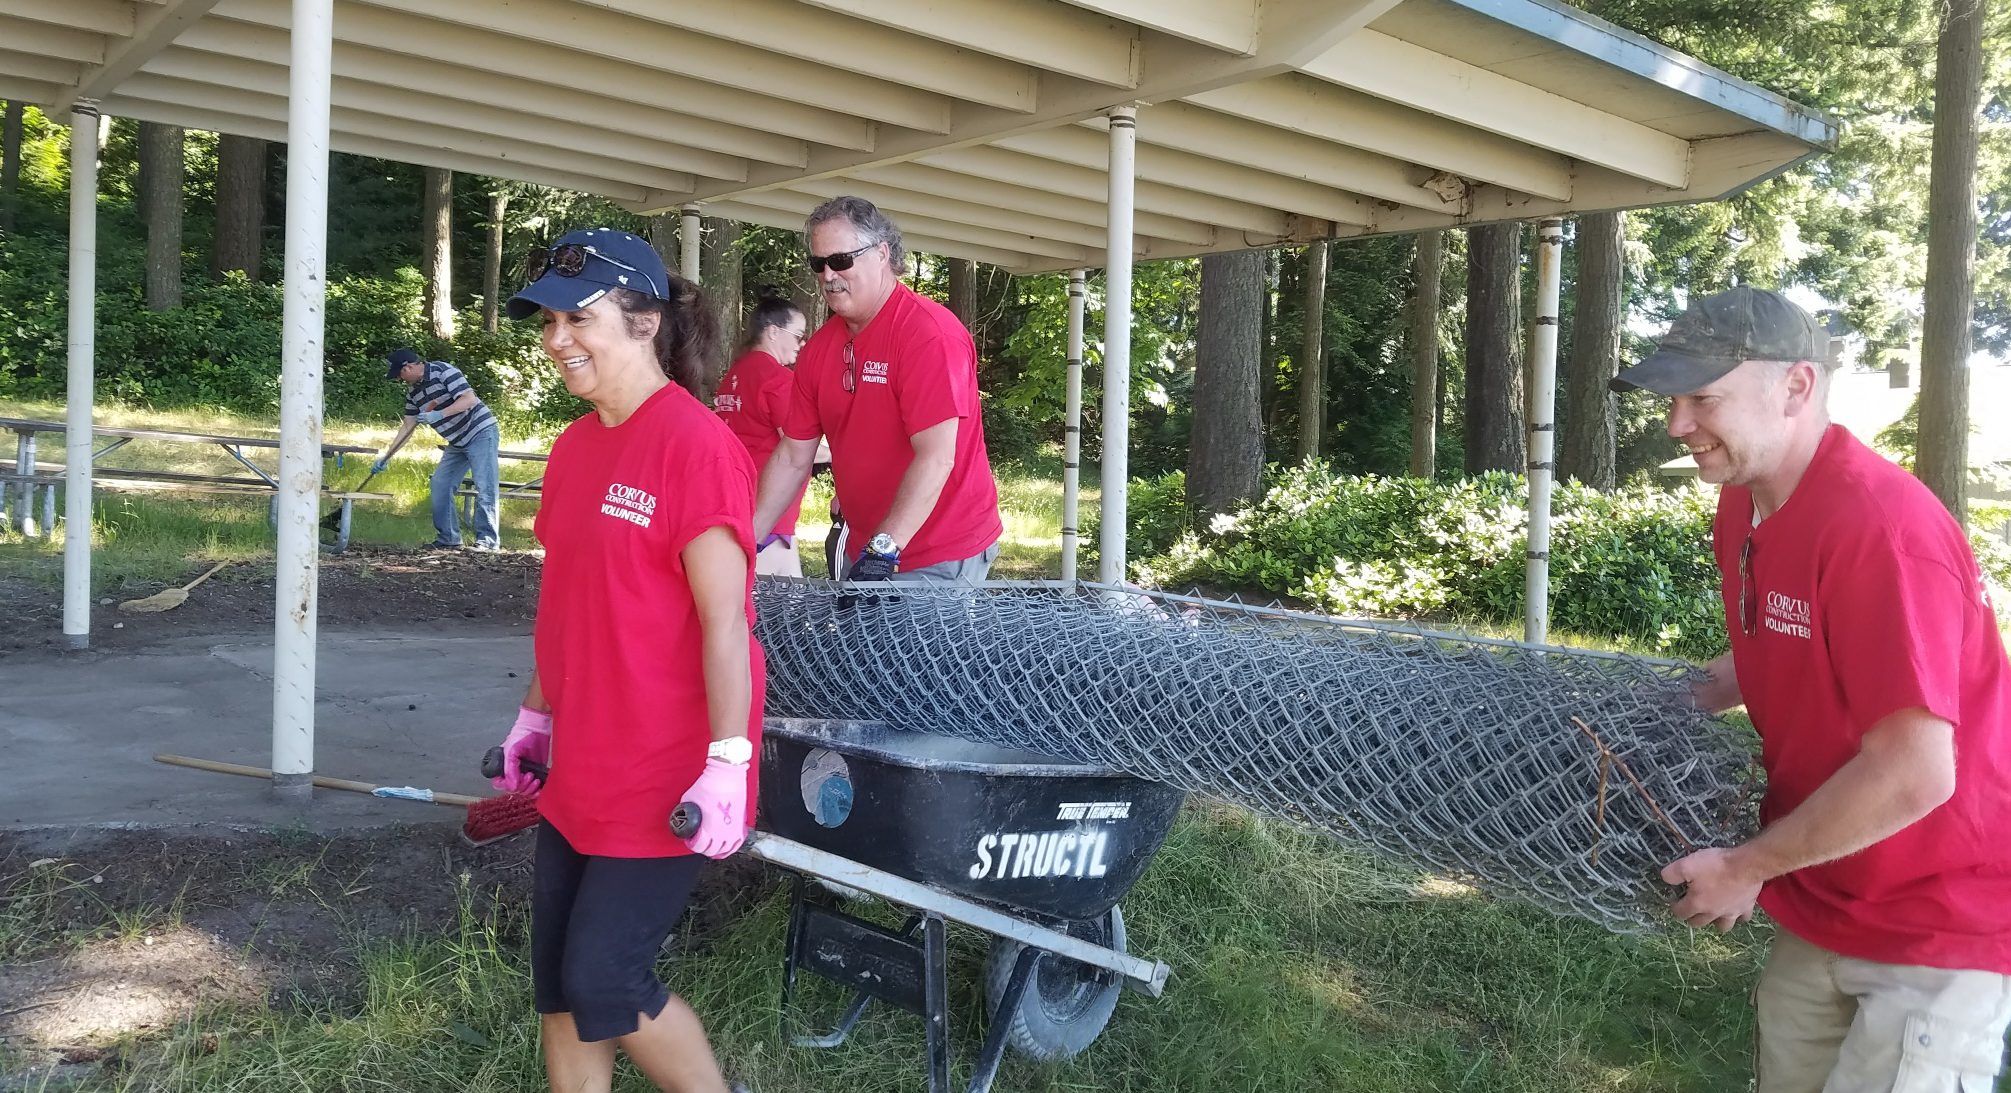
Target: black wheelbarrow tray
(1035, 851)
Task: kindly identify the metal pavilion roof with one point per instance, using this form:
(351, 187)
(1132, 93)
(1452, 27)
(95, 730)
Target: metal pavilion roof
(976, 123)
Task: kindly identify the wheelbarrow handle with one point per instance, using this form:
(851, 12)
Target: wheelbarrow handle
(685, 818)
(492, 765)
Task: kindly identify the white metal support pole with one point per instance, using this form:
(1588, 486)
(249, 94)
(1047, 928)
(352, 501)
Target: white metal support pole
(1117, 344)
(1542, 425)
(1071, 445)
(82, 388)
(688, 227)
(300, 399)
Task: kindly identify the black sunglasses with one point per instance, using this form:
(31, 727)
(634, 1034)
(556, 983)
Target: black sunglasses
(1749, 600)
(838, 262)
(570, 260)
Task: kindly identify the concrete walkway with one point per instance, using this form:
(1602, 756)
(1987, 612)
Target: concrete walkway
(78, 733)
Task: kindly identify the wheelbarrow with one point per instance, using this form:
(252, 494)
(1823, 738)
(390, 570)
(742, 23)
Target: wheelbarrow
(1033, 850)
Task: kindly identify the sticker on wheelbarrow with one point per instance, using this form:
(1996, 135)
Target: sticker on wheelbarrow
(827, 787)
(1094, 810)
(1011, 855)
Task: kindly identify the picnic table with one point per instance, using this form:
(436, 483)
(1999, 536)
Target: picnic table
(533, 488)
(26, 475)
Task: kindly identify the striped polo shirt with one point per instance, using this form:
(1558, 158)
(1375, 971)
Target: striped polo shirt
(443, 383)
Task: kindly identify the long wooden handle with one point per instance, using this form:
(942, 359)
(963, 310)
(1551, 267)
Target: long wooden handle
(207, 574)
(456, 800)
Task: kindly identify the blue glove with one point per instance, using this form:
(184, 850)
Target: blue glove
(381, 465)
(428, 417)
(873, 567)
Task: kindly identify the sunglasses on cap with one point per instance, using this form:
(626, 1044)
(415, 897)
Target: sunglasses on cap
(570, 260)
(839, 262)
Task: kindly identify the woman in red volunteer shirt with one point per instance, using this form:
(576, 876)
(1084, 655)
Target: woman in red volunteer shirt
(753, 400)
(648, 682)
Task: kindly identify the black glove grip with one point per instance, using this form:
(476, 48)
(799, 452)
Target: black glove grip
(492, 765)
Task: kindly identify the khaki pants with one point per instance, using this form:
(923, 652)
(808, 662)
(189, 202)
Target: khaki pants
(963, 571)
(1834, 1024)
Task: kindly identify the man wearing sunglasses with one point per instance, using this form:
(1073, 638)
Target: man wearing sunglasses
(891, 381)
(1865, 649)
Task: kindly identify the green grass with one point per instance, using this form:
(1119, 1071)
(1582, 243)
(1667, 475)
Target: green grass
(145, 539)
(1297, 965)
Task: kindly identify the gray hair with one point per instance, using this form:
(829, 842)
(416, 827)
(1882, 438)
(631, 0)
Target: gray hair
(865, 218)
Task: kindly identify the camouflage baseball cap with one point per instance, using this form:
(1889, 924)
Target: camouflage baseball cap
(1718, 333)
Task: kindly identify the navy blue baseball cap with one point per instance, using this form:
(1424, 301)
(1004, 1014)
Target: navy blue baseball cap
(399, 358)
(584, 266)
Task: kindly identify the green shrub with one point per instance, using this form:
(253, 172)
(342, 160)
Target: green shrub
(1633, 563)
(1155, 511)
(222, 346)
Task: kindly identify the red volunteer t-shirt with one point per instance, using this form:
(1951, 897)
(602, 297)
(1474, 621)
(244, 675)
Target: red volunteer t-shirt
(914, 366)
(618, 639)
(1868, 601)
(753, 399)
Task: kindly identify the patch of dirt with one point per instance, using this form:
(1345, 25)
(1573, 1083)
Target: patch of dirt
(108, 934)
(362, 587)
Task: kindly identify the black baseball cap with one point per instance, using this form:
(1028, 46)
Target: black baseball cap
(584, 265)
(397, 361)
(1718, 333)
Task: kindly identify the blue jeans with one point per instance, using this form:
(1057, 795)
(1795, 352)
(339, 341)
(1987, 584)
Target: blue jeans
(476, 457)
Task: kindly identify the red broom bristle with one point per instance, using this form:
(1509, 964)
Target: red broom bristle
(494, 817)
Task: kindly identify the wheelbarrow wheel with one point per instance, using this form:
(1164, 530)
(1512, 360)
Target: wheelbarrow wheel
(1066, 1005)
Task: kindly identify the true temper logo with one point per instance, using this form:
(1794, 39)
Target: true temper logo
(630, 504)
(1785, 614)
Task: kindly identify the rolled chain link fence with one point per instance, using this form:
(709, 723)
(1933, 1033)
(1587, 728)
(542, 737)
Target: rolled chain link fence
(1565, 778)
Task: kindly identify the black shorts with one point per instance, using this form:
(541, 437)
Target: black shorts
(597, 925)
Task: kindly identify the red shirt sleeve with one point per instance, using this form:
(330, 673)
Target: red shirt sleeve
(934, 383)
(1893, 619)
(717, 492)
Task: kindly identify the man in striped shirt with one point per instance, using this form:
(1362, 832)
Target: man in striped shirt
(439, 395)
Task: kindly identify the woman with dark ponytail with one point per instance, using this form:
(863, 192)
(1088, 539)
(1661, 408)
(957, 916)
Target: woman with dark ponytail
(754, 399)
(648, 682)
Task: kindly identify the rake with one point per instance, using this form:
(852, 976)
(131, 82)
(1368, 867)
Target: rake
(168, 598)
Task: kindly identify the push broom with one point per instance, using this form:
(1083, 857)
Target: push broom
(488, 818)
(493, 818)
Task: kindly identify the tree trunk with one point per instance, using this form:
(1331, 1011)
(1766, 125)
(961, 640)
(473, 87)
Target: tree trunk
(10, 161)
(240, 205)
(719, 262)
(808, 298)
(1427, 270)
(663, 238)
(436, 226)
(1225, 461)
(492, 262)
(1313, 354)
(964, 291)
(1943, 458)
(161, 169)
(1493, 349)
(1599, 315)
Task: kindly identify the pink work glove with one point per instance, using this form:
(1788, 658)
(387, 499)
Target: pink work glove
(530, 738)
(721, 796)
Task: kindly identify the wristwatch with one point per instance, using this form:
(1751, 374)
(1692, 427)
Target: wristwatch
(883, 545)
(737, 750)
